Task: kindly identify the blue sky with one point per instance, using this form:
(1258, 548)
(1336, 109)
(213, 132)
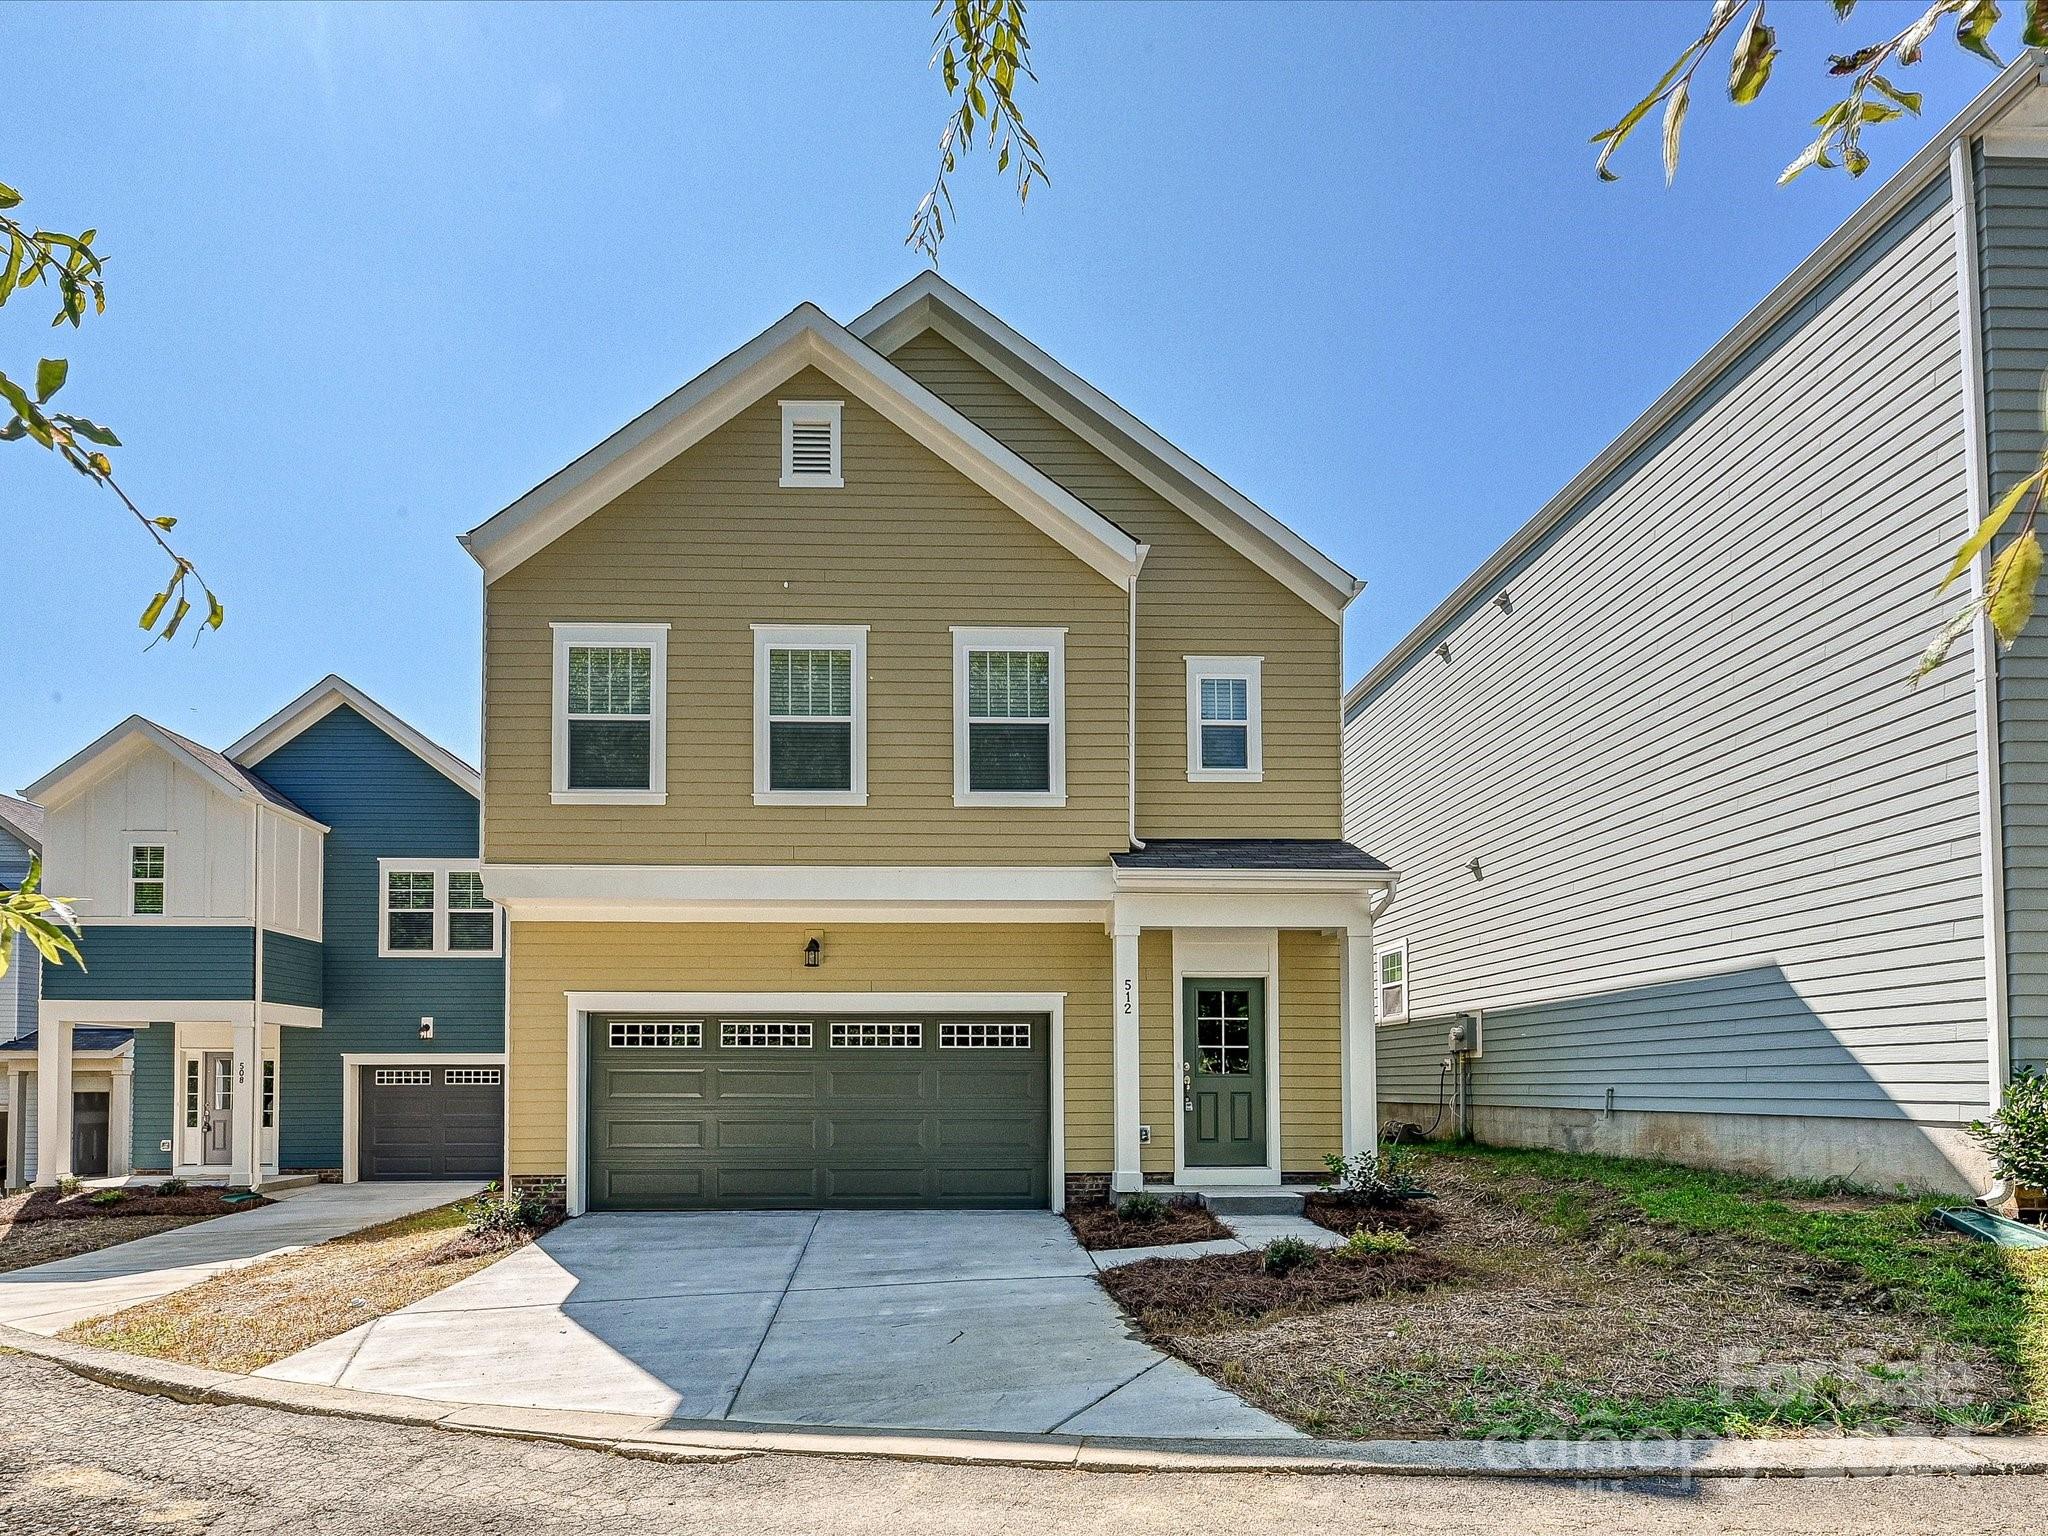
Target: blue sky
(375, 271)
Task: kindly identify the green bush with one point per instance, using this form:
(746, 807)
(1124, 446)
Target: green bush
(70, 1184)
(2017, 1136)
(1374, 1243)
(1142, 1207)
(1385, 1176)
(1284, 1255)
(494, 1212)
(174, 1187)
(106, 1197)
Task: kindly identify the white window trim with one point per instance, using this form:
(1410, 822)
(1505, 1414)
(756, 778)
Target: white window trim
(808, 411)
(148, 839)
(1378, 987)
(830, 637)
(654, 636)
(440, 870)
(1248, 668)
(968, 638)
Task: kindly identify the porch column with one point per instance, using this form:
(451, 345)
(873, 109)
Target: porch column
(1358, 1052)
(53, 1104)
(245, 1139)
(121, 1119)
(1128, 1173)
(18, 1148)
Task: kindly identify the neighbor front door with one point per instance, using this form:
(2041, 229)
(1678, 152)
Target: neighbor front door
(216, 1118)
(1223, 1073)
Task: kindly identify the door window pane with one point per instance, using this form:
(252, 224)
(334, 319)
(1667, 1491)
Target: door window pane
(1223, 1031)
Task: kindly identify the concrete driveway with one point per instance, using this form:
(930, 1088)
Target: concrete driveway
(958, 1320)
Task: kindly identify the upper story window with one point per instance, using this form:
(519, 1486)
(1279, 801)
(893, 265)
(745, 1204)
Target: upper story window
(146, 875)
(810, 715)
(1009, 717)
(435, 907)
(1224, 711)
(810, 443)
(1391, 998)
(611, 714)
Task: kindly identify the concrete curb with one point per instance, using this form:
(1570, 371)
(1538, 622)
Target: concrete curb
(721, 1440)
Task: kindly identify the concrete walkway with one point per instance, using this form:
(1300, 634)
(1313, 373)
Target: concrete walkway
(49, 1298)
(951, 1321)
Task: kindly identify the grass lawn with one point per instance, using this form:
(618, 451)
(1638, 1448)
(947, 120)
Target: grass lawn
(247, 1318)
(1601, 1296)
(38, 1226)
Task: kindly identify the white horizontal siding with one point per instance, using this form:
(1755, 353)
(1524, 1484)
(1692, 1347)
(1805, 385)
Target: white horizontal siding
(1728, 859)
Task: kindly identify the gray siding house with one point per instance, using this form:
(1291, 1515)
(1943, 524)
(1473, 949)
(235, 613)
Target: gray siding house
(1695, 868)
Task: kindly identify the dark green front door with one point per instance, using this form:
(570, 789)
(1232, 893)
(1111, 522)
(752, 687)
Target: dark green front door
(796, 1111)
(1223, 1073)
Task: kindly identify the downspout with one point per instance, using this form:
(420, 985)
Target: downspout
(1984, 656)
(1131, 711)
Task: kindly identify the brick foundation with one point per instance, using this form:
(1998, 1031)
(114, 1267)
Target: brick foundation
(552, 1187)
(1087, 1189)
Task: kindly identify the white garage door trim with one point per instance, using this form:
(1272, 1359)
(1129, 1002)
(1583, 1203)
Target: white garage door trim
(583, 1004)
(352, 1091)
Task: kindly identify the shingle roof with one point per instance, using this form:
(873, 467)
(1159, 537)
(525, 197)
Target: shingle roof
(81, 1040)
(25, 817)
(1239, 853)
(231, 770)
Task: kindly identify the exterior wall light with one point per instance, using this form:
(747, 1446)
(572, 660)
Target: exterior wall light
(814, 951)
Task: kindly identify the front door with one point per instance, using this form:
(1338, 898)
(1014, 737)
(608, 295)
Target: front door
(1223, 1073)
(89, 1116)
(216, 1116)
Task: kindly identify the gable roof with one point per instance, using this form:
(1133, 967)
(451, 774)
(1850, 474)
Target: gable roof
(229, 777)
(929, 302)
(24, 819)
(1912, 179)
(330, 694)
(806, 337)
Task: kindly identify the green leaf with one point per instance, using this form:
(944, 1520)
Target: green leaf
(1988, 529)
(1878, 112)
(2014, 576)
(1856, 160)
(216, 614)
(177, 617)
(50, 375)
(154, 611)
(2036, 35)
(1843, 8)
(1973, 30)
(1674, 124)
(1754, 52)
(91, 431)
(1958, 625)
(1910, 100)
(1614, 136)
(9, 198)
(32, 419)
(165, 523)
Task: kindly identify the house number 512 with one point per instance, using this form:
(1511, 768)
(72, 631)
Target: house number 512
(1130, 996)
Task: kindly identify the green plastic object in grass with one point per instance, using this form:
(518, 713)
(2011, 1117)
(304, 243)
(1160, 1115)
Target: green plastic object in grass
(2001, 1230)
(239, 1197)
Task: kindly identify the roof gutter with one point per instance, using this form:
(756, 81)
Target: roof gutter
(1932, 160)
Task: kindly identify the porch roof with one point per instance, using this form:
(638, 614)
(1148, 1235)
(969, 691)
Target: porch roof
(1166, 854)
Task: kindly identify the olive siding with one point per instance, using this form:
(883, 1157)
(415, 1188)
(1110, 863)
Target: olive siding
(1196, 597)
(551, 959)
(1158, 1051)
(711, 544)
(2012, 228)
(380, 801)
(1311, 1084)
(1667, 809)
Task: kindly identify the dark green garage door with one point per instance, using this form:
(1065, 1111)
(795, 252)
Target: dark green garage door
(823, 1111)
(431, 1123)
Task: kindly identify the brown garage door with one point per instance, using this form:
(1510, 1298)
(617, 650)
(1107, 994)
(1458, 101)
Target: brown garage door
(761, 1112)
(431, 1123)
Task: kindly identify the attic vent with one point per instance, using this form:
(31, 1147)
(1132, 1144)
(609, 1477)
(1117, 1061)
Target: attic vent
(810, 442)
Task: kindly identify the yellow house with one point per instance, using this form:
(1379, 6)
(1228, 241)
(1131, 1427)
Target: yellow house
(912, 781)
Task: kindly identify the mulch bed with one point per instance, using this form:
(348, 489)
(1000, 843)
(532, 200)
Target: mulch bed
(49, 1205)
(1230, 1290)
(480, 1245)
(1185, 1221)
(1334, 1212)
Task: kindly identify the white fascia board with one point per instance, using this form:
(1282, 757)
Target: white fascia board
(929, 302)
(805, 338)
(522, 888)
(328, 695)
(1253, 882)
(84, 767)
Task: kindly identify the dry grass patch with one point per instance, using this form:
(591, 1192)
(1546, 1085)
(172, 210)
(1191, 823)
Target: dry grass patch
(248, 1318)
(1225, 1291)
(40, 1225)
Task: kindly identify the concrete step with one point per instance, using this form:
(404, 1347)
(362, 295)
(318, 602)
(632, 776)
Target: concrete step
(1265, 1201)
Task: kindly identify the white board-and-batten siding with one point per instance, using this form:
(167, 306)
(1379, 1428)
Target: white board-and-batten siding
(1727, 859)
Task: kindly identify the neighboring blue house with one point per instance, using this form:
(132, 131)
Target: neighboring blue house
(21, 840)
(350, 843)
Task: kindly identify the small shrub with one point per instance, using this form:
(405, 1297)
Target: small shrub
(106, 1197)
(70, 1184)
(1142, 1207)
(173, 1187)
(1385, 1176)
(1375, 1242)
(2017, 1136)
(493, 1212)
(1284, 1255)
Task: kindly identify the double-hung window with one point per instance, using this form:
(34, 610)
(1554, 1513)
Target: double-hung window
(810, 715)
(1390, 1003)
(147, 866)
(611, 714)
(434, 907)
(1009, 716)
(1224, 711)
